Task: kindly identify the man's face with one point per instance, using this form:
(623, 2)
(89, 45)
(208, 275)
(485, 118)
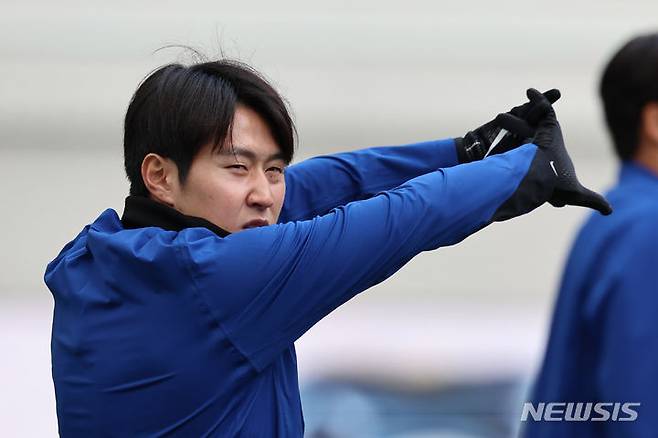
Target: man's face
(240, 187)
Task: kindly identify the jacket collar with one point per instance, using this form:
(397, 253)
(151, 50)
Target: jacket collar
(634, 173)
(142, 212)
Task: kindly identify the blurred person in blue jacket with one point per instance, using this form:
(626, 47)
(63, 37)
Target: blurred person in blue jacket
(603, 345)
(180, 317)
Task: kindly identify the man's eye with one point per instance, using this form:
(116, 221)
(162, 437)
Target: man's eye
(275, 169)
(237, 166)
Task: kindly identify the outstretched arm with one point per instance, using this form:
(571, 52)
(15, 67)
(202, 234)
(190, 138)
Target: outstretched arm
(317, 185)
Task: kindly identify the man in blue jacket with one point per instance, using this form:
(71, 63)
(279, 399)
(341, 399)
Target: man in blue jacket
(179, 319)
(602, 355)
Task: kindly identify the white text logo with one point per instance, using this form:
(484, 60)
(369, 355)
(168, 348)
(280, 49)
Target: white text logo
(570, 411)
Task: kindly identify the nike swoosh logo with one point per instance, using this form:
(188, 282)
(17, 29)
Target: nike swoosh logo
(553, 167)
(497, 140)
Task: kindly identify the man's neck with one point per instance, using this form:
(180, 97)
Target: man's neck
(647, 156)
(145, 212)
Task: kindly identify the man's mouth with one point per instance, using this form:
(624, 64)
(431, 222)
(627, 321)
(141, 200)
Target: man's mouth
(256, 223)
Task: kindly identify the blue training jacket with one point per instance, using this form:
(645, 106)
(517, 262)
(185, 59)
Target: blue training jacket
(603, 346)
(186, 333)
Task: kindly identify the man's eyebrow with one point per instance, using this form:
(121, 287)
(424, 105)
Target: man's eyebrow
(248, 153)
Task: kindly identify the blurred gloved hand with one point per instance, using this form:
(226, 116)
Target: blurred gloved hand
(551, 176)
(519, 124)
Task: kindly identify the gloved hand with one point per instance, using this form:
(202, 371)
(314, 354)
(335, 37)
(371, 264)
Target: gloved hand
(551, 176)
(519, 123)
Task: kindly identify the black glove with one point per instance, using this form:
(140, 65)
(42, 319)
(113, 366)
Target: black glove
(551, 176)
(519, 122)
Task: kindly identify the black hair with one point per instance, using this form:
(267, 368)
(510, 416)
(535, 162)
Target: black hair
(629, 82)
(177, 109)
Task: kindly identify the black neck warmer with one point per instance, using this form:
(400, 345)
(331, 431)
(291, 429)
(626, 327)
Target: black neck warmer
(142, 212)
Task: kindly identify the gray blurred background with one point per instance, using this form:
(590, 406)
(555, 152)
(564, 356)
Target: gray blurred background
(356, 74)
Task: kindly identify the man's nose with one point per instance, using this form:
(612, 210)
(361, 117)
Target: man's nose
(260, 194)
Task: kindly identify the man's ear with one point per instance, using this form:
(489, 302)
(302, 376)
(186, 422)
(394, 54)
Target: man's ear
(160, 176)
(649, 128)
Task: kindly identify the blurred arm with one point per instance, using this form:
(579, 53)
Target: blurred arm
(628, 331)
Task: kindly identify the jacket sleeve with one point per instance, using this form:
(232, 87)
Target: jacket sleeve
(319, 184)
(267, 286)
